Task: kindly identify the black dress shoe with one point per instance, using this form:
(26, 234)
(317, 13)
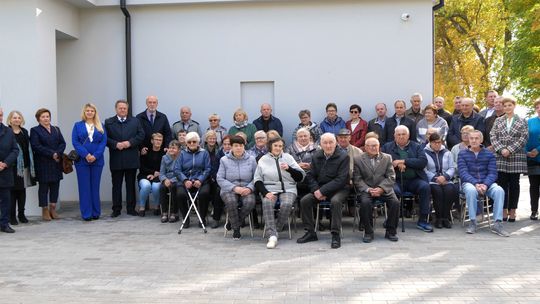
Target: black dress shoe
(446, 223)
(23, 219)
(310, 236)
(391, 236)
(7, 229)
(336, 241)
(439, 223)
(95, 217)
(115, 214)
(87, 219)
(534, 216)
(511, 220)
(368, 237)
(133, 213)
(13, 221)
(142, 213)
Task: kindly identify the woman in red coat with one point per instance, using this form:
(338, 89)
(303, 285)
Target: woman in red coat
(358, 127)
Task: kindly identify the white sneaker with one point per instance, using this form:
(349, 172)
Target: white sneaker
(272, 242)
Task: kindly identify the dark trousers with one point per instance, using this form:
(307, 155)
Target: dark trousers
(443, 198)
(18, 201)
(510, 184)
(117, 179)
(309, 201)
(89, 179)
(5, 204)
(204, 198)
(534, 191)
(48, 190)
(419, 187)
(366, 211)
(217, 202)
(164, 199)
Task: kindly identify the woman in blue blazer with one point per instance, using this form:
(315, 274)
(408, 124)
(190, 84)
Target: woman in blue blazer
(89, 140)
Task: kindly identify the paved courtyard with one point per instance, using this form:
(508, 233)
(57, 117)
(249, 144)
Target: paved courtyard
(139, 260)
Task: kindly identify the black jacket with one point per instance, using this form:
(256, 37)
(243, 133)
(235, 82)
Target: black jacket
(391, 124)
(459, 121)
(8, 155)
(130, 130)
(328, 175)
(161, 125)
(374, 127)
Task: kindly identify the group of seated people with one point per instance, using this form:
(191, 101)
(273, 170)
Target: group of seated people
(413, 152)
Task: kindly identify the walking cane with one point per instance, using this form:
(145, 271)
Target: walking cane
(401, 201)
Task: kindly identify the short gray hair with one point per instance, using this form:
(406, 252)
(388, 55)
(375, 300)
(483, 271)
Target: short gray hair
(402, 127)
(193, 136)
(328, 135)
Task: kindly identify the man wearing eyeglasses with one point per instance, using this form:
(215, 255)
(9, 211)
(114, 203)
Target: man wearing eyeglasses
(374, 178)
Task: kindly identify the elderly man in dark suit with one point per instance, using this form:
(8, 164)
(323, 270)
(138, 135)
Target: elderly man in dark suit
(8, 158)
(153, 121)
(124, 135)
(374, 179)
(327, 181)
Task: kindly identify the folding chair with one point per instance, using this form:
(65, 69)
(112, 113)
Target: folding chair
(291, 217)
(227, 221)
(483, 204)
(325, 206)
(193, 205)
(377, 204)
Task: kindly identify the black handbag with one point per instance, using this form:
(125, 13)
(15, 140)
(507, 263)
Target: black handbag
(73, 155)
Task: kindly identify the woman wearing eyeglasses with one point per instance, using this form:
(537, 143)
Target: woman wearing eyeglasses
(357, 126)
(214, 121)
(193, 172)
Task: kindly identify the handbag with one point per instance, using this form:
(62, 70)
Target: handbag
(73, 155)
(67, 164)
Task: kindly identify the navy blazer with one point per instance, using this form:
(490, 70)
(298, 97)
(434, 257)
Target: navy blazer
(44, 145)
(130, 130)
(8, 155)
(82, 144)
(391, 124)
(273, 124)
(161, 125)
(416, 159)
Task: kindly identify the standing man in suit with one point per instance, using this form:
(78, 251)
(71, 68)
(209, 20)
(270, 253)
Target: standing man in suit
(399, 119)
(153, 121)
(374, 179)
(124, 135)
(378, 124)
(8, 158)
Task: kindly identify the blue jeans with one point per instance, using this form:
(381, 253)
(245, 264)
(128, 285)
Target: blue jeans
(495, 192)
(146, 187)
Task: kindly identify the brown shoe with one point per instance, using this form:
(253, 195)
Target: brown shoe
(45, 214)
(52, 210)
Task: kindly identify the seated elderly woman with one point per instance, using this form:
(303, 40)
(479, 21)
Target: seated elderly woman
(440, 171)
(235, 178)
(302, 150)
(275, 178)
(193, 172)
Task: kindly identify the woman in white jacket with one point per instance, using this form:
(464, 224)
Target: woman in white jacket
(275, 178)
(440, 170)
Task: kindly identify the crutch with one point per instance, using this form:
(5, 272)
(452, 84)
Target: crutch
(192, 198)
(401, 201)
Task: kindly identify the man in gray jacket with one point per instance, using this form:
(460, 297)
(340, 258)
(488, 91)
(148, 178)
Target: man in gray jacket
(374, 178)
(327, 179)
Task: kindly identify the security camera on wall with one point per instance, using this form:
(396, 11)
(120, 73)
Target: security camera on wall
(405, 16)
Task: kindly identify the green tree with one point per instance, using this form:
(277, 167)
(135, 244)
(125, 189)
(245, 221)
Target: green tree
(472, 39)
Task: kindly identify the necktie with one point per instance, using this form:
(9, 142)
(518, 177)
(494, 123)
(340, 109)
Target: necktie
(152, 119)
(122, 120)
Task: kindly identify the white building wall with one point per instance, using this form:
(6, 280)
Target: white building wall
(197, 55)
